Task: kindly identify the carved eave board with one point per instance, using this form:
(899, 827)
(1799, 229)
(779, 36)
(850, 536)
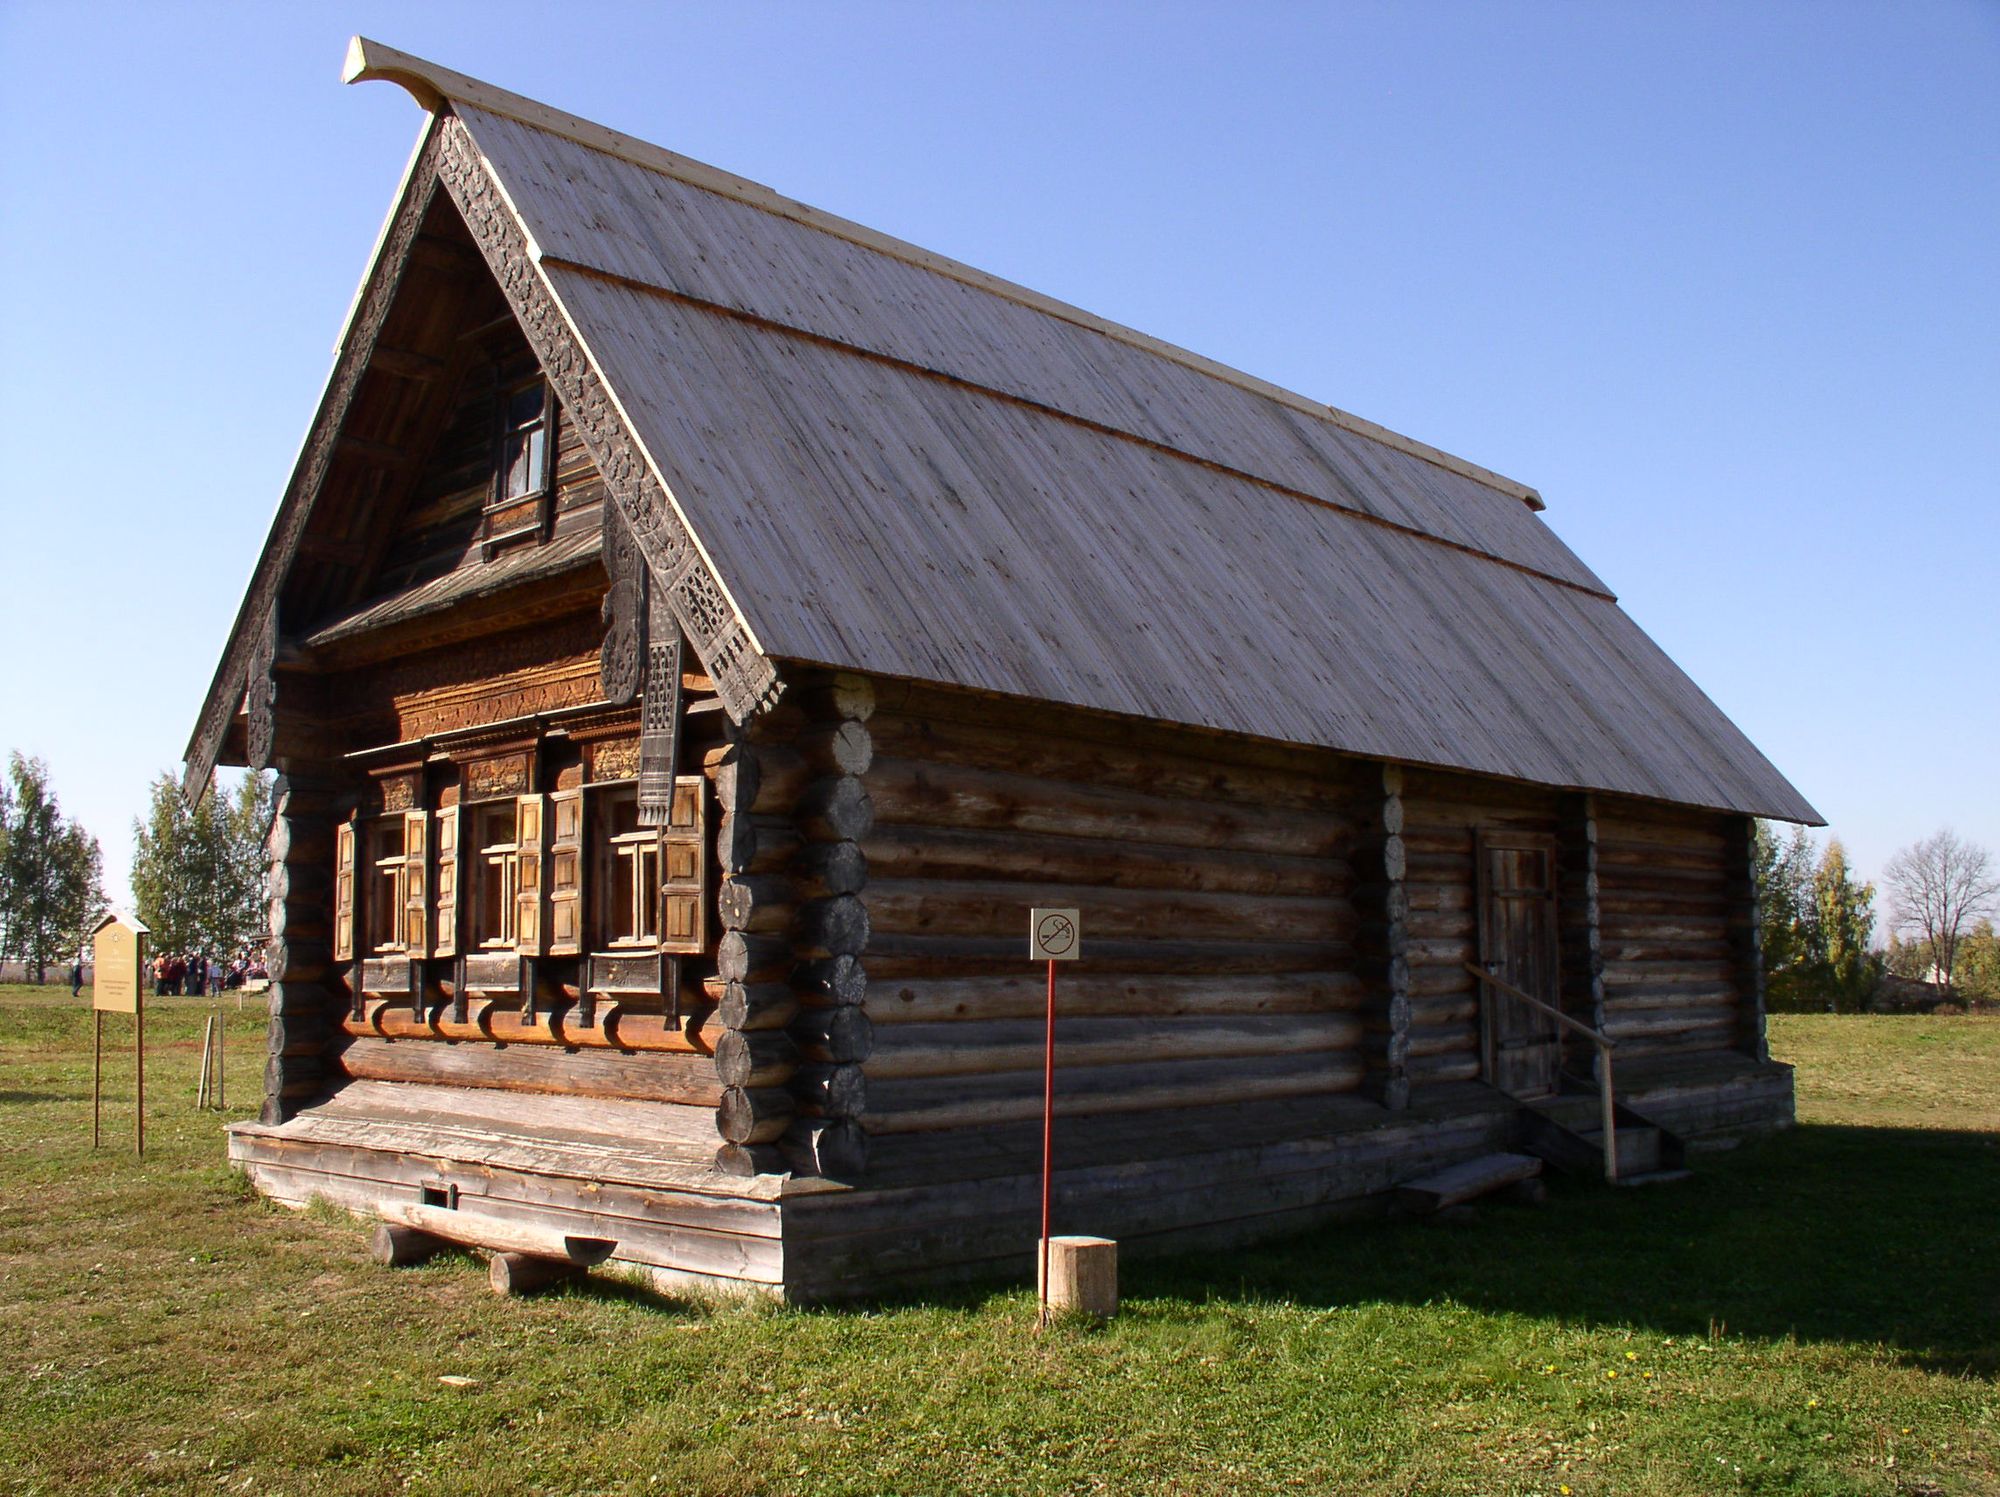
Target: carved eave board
(449, 242)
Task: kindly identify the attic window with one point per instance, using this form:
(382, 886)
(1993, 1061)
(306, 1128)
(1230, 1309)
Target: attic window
(524, 448)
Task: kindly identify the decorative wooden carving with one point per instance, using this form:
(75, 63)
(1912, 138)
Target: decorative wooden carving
(746, 682)
(260, 601)
(660, 724)
(621, 660)
(395, 793)
(614, 759)
(489, 779)
(260, 692)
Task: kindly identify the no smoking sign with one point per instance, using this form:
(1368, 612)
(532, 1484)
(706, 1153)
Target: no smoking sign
(1054, 935)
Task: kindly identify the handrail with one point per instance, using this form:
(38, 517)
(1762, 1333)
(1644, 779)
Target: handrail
(1607, 1100)
(1548, 1008)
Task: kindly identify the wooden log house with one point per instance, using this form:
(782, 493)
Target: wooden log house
(698, 628)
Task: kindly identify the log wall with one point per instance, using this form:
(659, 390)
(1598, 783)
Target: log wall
(1672, 892)
(1216, 881)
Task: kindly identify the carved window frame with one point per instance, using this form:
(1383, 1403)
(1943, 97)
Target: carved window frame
(512, 517)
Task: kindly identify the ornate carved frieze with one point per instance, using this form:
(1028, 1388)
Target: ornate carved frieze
(261, 601)
(488, 779)
(613, 759)
(744, 679)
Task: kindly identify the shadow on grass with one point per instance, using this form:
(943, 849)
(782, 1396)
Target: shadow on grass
(1868, 1235)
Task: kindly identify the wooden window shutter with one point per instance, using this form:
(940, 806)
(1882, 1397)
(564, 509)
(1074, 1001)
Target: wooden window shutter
(343, 892)
(566, 873)
(416, 889)
(447, 882)
(528, 885)
(684, 869)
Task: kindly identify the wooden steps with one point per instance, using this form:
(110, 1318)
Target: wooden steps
(1465, 1182)
(1567, 1132)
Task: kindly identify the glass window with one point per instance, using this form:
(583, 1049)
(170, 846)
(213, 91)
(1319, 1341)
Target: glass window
(496, 876)
(388, 885)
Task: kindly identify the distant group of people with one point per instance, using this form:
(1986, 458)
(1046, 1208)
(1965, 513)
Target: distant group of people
(193, 975)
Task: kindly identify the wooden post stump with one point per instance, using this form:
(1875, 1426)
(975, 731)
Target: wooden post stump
(1083, 1275)
(523, 1273)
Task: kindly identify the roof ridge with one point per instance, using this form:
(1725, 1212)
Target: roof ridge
(435, 88)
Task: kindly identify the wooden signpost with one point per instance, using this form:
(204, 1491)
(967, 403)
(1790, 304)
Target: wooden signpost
(119, 987)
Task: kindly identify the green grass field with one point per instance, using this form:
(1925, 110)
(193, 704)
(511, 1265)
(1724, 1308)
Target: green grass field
(1817, 1313)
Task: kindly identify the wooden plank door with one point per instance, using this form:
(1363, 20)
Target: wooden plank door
(1517, 943)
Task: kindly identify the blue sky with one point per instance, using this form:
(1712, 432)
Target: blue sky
(1722, 281)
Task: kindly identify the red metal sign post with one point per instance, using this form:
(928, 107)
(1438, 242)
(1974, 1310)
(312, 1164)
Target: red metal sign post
(1053, 936)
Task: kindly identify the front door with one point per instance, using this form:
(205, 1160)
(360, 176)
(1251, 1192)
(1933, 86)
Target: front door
(1517, 944)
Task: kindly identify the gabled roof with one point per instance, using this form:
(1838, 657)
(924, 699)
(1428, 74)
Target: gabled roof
(878, 459)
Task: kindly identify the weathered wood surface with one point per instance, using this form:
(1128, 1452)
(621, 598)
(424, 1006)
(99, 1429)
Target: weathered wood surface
(1466, 1182)
(499, 1234)
(654, 1077)
(1082, 1276)
(1672, 982)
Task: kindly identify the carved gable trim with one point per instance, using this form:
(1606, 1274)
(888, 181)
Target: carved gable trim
(745, 680)
(247, 650)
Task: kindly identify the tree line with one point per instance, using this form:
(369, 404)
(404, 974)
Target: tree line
(198, 876)
(1819, 923)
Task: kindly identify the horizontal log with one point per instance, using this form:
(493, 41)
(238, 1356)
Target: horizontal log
(1667, 951)
(897, 851)
(834, 1036)
(838, 926)
(291, 1078)
(754, 1117)
(836, 1091)
(842, 748)
(757, 1006)
(765, 903)
(740, 957)
(975, 1048)
(921, 1104)
(647, 1077)
(1161, 761)
(304, 997)
(824, 869)
(302, 961)
(1620, 835)
(913, 793)
(1624, 1025)
(500, 1234)
(1023, 995)
(756, 844)
(912, 956)
(843, 697)
(750, 1059)
(835, 1148)
(1679, 995)
(298, 1034)
(1614, 928)
(1629, 974)
(515, 1274)
(1434, 1070)
(841, 809)
(897, 906)
(751, 1159)
(395, 1246)
(1441, 1039)
(1614, 899)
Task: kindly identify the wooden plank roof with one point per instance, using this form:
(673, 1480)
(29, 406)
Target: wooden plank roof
(896, 464)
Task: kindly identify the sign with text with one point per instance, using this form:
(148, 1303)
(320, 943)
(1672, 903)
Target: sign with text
(118, 951)
(1054, 935)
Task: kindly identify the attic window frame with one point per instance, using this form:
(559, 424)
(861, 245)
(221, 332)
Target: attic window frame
(531, 509)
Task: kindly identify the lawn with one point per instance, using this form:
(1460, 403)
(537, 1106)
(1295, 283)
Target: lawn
(1815, 1313)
